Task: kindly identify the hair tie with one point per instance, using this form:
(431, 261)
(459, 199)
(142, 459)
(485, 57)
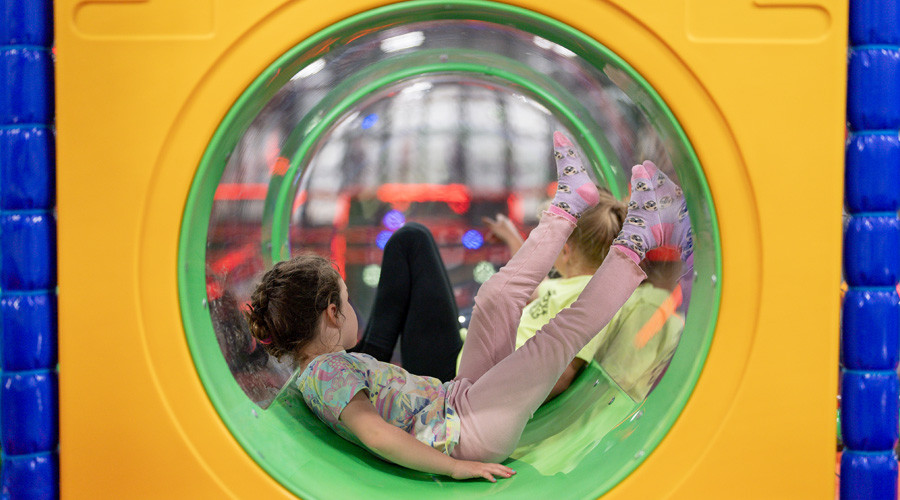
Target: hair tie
(266, 341)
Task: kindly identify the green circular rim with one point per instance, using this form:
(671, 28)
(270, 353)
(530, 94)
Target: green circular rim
(288, 190)
(262, 433)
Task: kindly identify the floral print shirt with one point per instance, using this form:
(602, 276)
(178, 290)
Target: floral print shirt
(418, 405)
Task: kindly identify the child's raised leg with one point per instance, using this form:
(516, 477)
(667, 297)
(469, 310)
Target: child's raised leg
(668, 226)
(499, 302)
(414, 301)
(683, 237)
(495, 408)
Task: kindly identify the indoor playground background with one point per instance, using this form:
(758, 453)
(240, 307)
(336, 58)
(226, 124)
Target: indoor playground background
(197, 143)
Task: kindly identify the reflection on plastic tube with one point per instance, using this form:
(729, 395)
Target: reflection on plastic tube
(310, 70)
(402, 42)
(548, 45)
(417, 87)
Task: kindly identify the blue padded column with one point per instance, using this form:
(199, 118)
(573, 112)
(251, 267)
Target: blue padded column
(870, 340)
(29, 401)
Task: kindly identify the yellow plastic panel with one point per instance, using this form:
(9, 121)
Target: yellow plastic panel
(142, 85)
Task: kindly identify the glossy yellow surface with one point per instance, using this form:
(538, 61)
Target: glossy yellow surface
(142, 86)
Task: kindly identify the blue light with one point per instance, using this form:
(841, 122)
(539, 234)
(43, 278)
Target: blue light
(473, 240)
(369, 121)
(382, 238)
(393, 220)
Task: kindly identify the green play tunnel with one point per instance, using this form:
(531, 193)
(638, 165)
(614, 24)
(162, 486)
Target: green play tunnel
(441, 115)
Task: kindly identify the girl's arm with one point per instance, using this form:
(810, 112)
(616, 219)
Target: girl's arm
(502, 229)
(395, 445)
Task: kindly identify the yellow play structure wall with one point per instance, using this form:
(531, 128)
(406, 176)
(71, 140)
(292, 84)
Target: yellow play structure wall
(758, 86)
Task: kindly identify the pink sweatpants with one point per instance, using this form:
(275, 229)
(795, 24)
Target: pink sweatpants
(497, 387)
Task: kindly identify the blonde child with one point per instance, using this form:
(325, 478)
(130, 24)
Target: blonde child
(463, 427)
(634, 366)
(415, 305)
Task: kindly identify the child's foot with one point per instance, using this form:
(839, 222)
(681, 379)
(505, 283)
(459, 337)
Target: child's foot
(676, 224)
(682, 234)
(653, 212)
(575, 191)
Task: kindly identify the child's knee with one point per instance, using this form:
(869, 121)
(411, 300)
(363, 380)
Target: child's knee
(498, 450)
(411, 234)
(493, 452)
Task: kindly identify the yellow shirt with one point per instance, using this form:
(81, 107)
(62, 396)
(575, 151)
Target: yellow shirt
(640, 340)
(633, 356)
(553, 296)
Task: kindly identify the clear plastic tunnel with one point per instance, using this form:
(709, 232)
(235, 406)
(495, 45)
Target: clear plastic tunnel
(414, 112)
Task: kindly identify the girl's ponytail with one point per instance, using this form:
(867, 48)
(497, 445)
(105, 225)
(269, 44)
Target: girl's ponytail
(284, 309)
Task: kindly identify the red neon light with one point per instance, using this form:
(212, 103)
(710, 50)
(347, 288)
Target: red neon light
(339, 254)
(456, 196)
(514, 208)
(342, 212)
(280, 166)
(339, 242)
(231, 260)
(214, 290)
(238, 191)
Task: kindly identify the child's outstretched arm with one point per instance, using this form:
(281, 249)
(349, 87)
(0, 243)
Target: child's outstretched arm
(503, 230)
(395, 445)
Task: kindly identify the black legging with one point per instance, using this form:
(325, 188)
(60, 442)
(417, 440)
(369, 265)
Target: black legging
(414, 300)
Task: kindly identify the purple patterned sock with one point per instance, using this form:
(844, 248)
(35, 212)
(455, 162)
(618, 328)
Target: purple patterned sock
(681, 233)
(575, 191)
(653, 212)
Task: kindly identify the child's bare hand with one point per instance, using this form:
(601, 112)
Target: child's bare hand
(465, 469)
(502, 229)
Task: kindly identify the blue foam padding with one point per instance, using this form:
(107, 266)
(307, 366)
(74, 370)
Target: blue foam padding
(870, 410)
(26, 22)
(870, 326)
(29, 331)
(29, 412)
(32, 477)
(873, 89)
(27, 168)
(868, 476)
(872, 251)
(874, 22)
(29, 251)
(26, 91)
(872, 174)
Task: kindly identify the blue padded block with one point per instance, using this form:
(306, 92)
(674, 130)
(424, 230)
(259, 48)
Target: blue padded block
(867, 476)
(873, 89)
(27, 168)
(26, 90)
(870, 410)
(29, 412)
(29, 332)
(27, 251)
(874, 22)
(26, 22)
(872, 174)
(872, 251)
(30, 477)
(870, 326)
